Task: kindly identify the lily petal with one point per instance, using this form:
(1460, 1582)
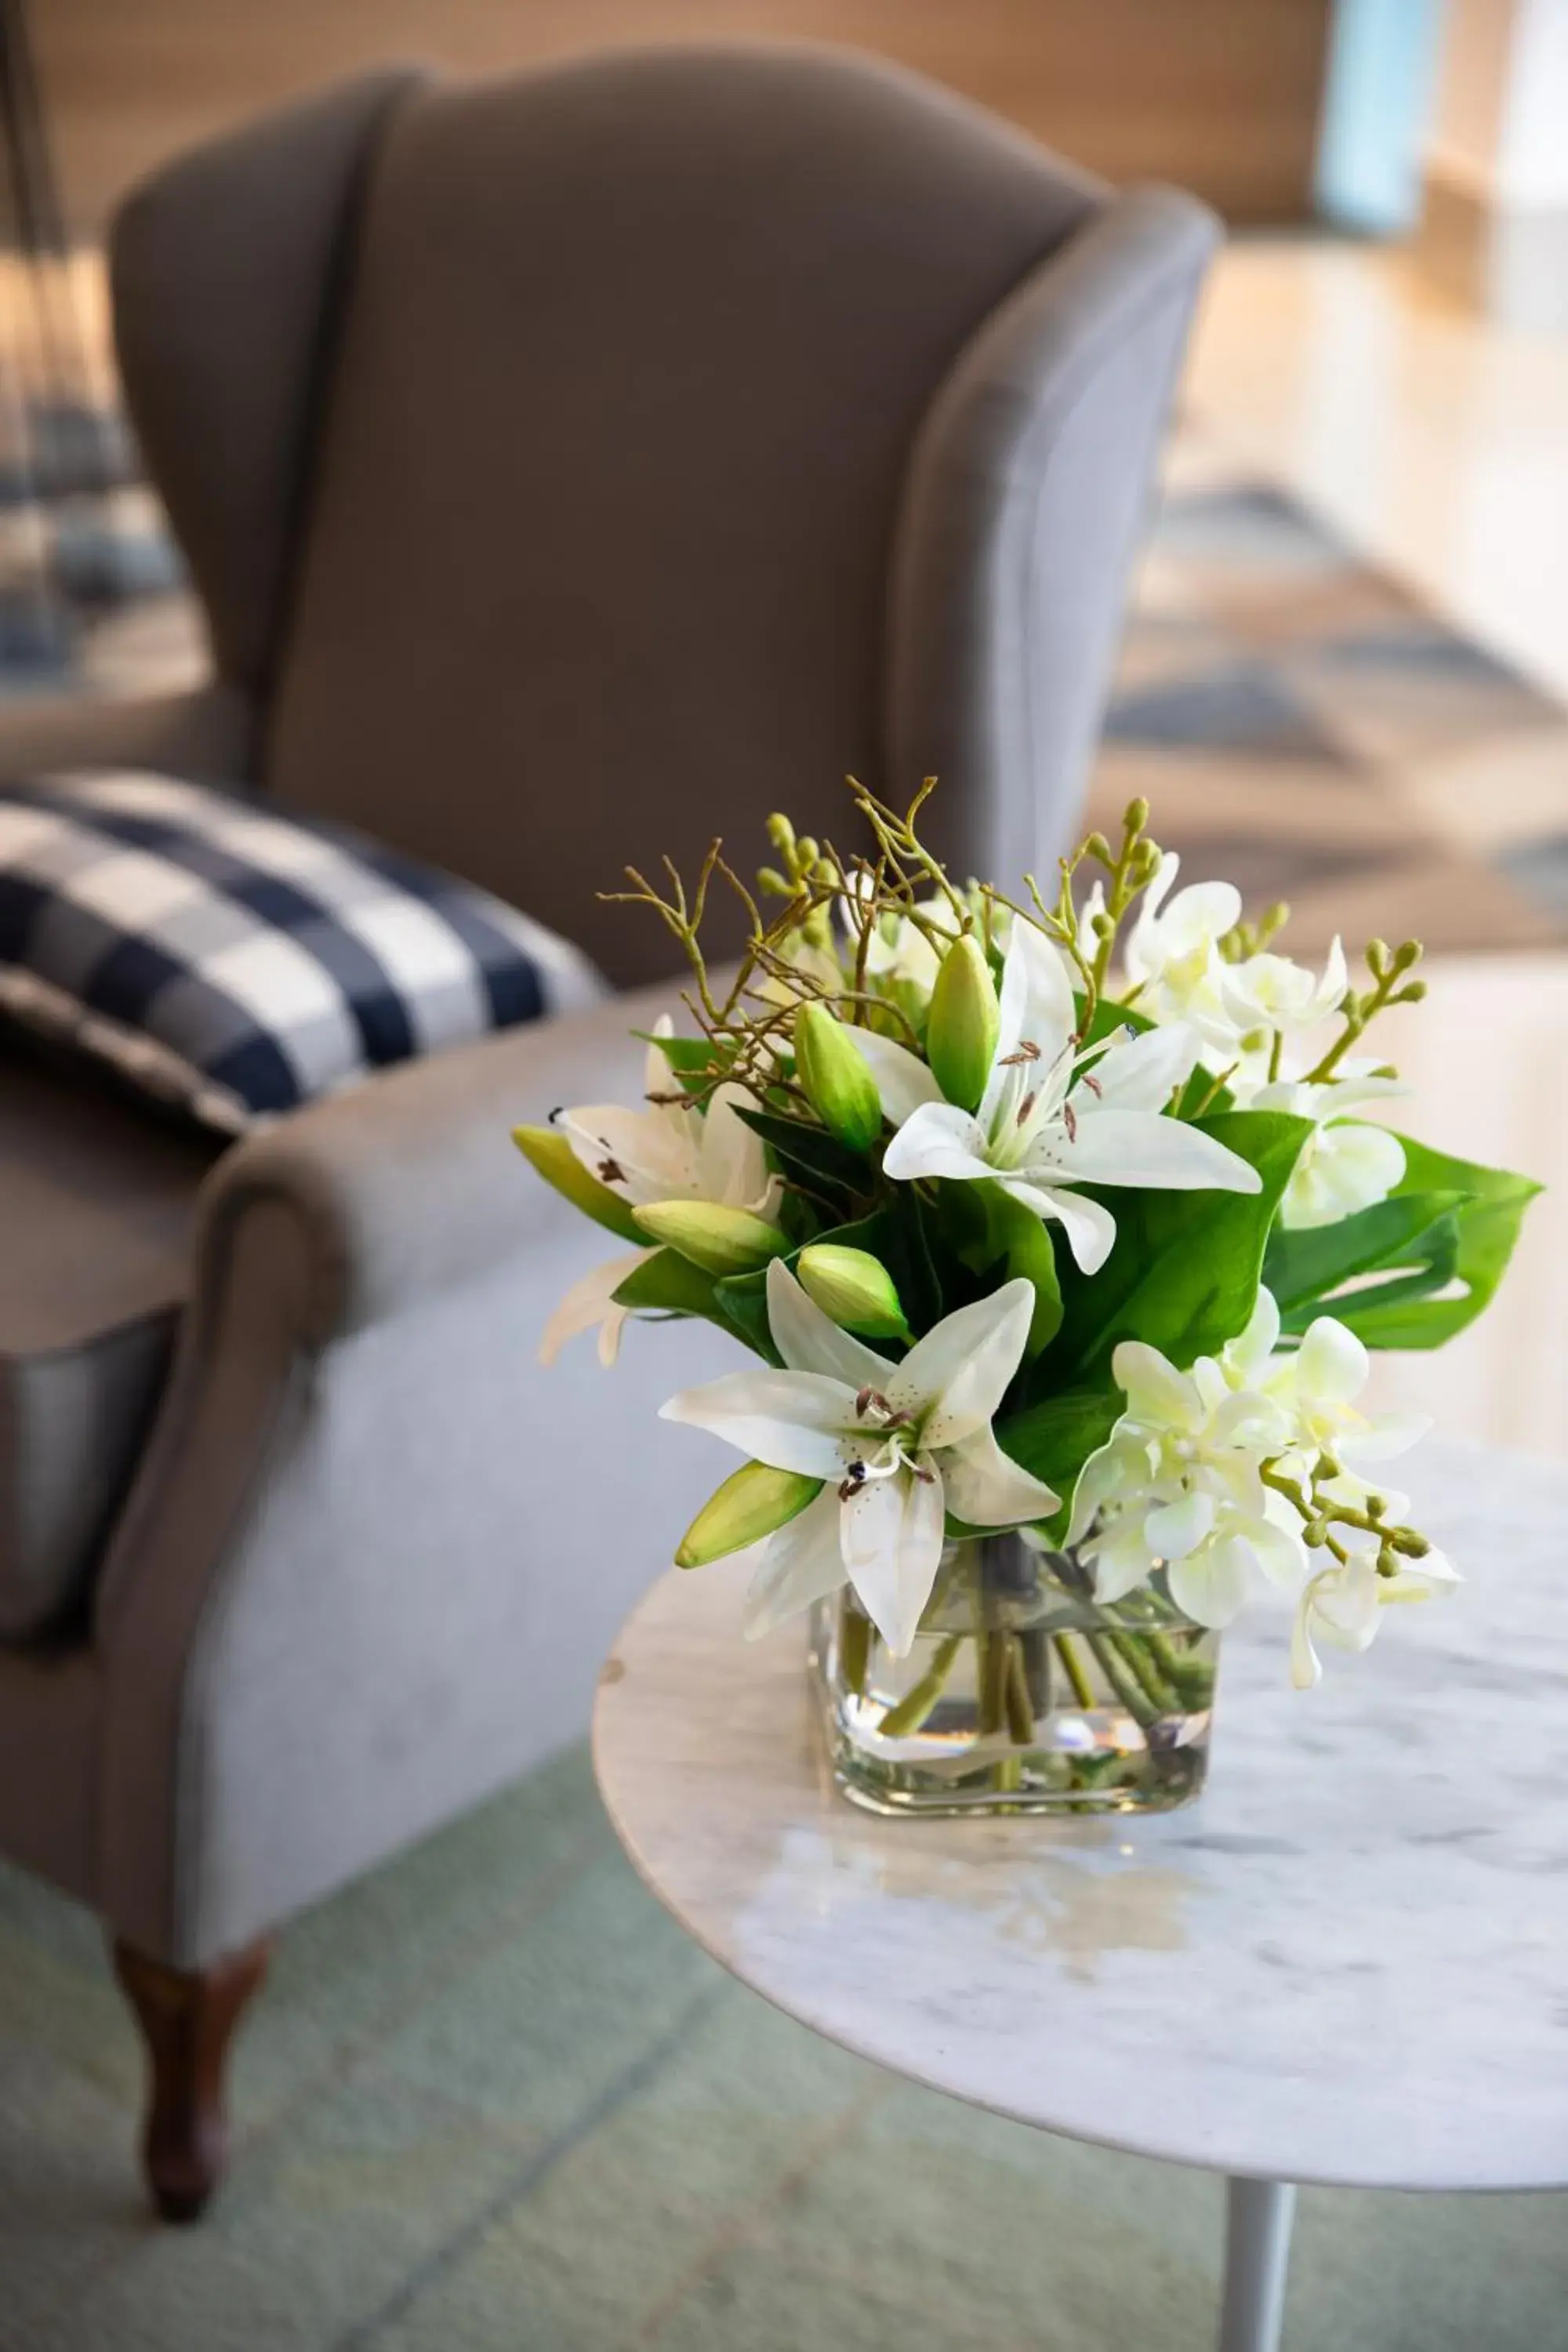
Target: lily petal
(937, 1139)
(890, 1534)
(1036, 1006)
(1089, 1227)
(988, 1488)
(1133, 1147)
(958, 1374)
(733, 1165)
(799, 1563)
(810, 1341)
(1144, 1073)
(791, 1420)
(903, 1080)
(590, 1304)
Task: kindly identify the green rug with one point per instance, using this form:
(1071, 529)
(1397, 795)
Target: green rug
(493, 2101)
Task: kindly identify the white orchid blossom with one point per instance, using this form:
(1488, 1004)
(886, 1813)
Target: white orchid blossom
(1178, 1487)
(1343, 1600)
(1318, 1386)
(1172, 955)
(1054, 1116)
(671, 1151)
(1345, 1165)
(898, 1446)
(1265, 1002)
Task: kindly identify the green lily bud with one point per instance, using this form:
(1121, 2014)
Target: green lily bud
(965, 1020)
(854, 1288)
(746, 1507)
(555, 1161)
(720, 1240)
(838, 1083)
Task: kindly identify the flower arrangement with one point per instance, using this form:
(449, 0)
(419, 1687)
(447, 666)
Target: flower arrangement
(1050, 1214)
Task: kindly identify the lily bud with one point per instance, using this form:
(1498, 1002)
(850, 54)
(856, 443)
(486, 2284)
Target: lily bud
(720, 1240)
(838, 1083)
(751, 1503)
(555, 1161)
(854, 1288)
(965, 1023)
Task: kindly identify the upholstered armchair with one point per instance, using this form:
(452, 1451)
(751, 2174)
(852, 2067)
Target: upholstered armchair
(570, 468)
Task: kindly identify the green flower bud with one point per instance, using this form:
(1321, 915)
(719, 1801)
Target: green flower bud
(838, 1083)
(720, 1240)
(854, 1288)
(556, 1162)
(746, 1507)
(965, 1020)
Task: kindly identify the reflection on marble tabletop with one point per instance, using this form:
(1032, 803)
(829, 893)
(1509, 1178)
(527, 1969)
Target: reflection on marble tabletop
(1348, 1962)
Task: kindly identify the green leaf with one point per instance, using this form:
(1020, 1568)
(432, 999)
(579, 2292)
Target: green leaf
(810, 1154)
(1305, 1268)
(1487, 1222)
(1055, 1437)
(995, 1235)
(1184, 1270)
(690, 1057)
(668, 1284)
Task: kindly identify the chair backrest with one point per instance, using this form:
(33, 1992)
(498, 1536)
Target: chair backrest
(538, 445)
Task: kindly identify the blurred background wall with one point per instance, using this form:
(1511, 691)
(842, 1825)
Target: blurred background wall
(1222, 96)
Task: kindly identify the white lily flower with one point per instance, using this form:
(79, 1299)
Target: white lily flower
(1319, 1385)
(1053, 1117)
(898, 1446)
(1345, 1165)
(671, 1152)
(668, 1152)
(1178, 1487)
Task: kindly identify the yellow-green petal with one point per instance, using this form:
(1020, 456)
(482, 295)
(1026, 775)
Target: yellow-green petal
(854, 1289)
(555, 1161)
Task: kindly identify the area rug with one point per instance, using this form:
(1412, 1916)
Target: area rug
(493, 2101)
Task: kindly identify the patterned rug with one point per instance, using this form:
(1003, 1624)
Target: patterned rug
(494, 2101)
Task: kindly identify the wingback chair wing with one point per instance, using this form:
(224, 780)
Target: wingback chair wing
(570, 468)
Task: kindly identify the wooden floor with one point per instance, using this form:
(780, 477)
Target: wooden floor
(1221, 95)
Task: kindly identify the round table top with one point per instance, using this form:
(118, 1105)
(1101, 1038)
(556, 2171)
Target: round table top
(1347, 1962)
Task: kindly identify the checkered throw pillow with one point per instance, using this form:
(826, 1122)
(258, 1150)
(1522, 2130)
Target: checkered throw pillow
(241, 963)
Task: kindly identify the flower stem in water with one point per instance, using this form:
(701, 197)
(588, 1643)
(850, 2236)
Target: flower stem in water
(919, 1700)
(1072, 1664)
(853, 1648)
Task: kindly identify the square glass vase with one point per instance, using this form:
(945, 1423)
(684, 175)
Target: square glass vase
(1022, 1694)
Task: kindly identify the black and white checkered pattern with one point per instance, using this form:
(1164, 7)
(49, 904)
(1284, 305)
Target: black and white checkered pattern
(241, 963)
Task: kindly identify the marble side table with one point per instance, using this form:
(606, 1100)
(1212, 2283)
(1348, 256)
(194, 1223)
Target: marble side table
(1347, 1963)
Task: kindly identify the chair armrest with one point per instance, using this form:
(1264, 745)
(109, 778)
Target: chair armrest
(375, 1552)
(207, 735)
(1026, 488)
(409, 1184)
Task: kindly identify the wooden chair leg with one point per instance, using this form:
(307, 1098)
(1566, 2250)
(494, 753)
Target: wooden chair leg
(188, 2019)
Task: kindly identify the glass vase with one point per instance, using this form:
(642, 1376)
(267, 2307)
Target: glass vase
(1022, 1694)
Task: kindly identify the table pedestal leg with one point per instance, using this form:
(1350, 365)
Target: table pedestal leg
(1256, 2255)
